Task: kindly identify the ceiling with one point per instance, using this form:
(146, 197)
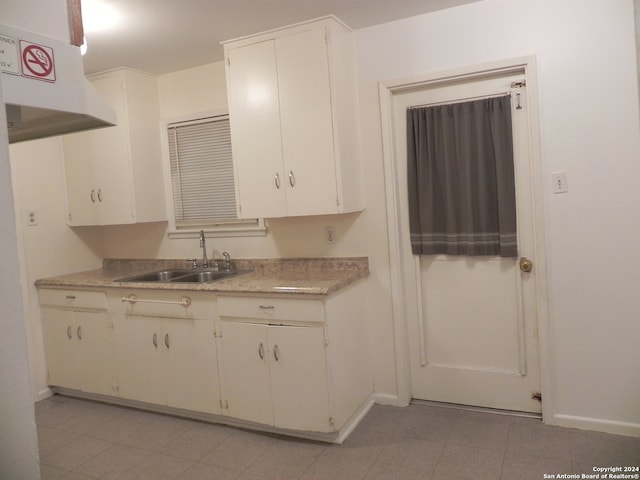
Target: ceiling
(160, 36)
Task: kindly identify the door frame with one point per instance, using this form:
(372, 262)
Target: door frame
(402, 272)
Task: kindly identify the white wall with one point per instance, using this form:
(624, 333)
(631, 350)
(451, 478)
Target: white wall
(18, 438)
(589, 128)
(44, 17)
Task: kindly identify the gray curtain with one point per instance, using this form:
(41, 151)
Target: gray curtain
(460, 177)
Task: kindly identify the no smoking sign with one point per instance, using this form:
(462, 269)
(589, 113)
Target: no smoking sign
(37, 61)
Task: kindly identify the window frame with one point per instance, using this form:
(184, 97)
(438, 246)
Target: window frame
(241, 228)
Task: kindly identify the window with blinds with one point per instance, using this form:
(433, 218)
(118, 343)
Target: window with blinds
(202, 173)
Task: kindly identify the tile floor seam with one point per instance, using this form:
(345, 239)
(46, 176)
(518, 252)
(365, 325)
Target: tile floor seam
(444, 446)
(75, 469)
(125, 472)
(504, 454)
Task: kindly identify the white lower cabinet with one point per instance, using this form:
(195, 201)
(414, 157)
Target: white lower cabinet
(272, 362)
(295, 363)
(168, 361)
(276, 375)
(78, 341)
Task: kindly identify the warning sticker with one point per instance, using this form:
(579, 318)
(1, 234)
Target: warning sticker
(9, 55)
(37, 61)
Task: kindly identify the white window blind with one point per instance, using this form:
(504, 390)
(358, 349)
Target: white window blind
(202, 172)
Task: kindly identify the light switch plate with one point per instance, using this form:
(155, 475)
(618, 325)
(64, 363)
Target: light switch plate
(559, 182)
(330, 233)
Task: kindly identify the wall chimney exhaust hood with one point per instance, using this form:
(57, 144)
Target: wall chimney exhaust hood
(44, 88)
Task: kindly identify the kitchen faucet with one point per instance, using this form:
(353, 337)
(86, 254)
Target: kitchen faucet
(203, 245)
(227, 261)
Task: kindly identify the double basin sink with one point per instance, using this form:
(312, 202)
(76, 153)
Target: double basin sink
(200, 275)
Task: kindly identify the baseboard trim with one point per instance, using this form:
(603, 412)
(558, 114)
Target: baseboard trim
(331, 437)
(388, 399)
(598, 425)
(42, 394)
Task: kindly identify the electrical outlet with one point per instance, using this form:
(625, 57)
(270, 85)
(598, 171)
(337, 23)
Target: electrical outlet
(31, 218)
(330, 234)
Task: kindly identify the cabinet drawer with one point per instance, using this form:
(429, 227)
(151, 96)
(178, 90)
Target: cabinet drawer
(272, 309)
(73, 298)
(155, 303)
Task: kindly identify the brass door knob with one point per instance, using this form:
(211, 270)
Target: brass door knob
(526, 265)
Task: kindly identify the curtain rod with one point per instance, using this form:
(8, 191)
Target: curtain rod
(462, 100)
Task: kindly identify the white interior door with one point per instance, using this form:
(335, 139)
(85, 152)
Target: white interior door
(472, 320)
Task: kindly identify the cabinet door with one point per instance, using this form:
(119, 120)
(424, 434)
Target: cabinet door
(140, 358)
(111, 158)
(245, 362)
(306, 122)
(191, 372)
(60, 344)
(95, 356)
(299, 378)
(81, 190)
(255, 130)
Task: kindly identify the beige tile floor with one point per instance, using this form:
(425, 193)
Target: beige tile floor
(84, 440)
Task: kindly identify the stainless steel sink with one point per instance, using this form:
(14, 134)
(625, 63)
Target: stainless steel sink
(183, 276)
(205, 276)
(161, 276)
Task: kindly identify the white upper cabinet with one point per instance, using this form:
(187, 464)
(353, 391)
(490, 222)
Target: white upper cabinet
(114, 174)
(293, 109)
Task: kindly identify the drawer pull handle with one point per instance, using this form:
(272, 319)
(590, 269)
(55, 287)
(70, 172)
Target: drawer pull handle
(93, 196)
(155, 340)
(79, 333)
(69, 332)
(261, 351)
(70, 298)
(267, 307)
(276, 353)
(166, 340)
(276, 181)
(132, 299)
(292, 179)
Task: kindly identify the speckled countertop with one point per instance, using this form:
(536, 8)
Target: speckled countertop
(309, 276)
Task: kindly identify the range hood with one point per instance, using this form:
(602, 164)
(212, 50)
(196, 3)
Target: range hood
(44, 88)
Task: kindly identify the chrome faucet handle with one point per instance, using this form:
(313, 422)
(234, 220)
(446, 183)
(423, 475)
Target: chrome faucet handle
(194, 263)
(227, 261)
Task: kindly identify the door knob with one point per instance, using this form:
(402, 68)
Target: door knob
(526, 265)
